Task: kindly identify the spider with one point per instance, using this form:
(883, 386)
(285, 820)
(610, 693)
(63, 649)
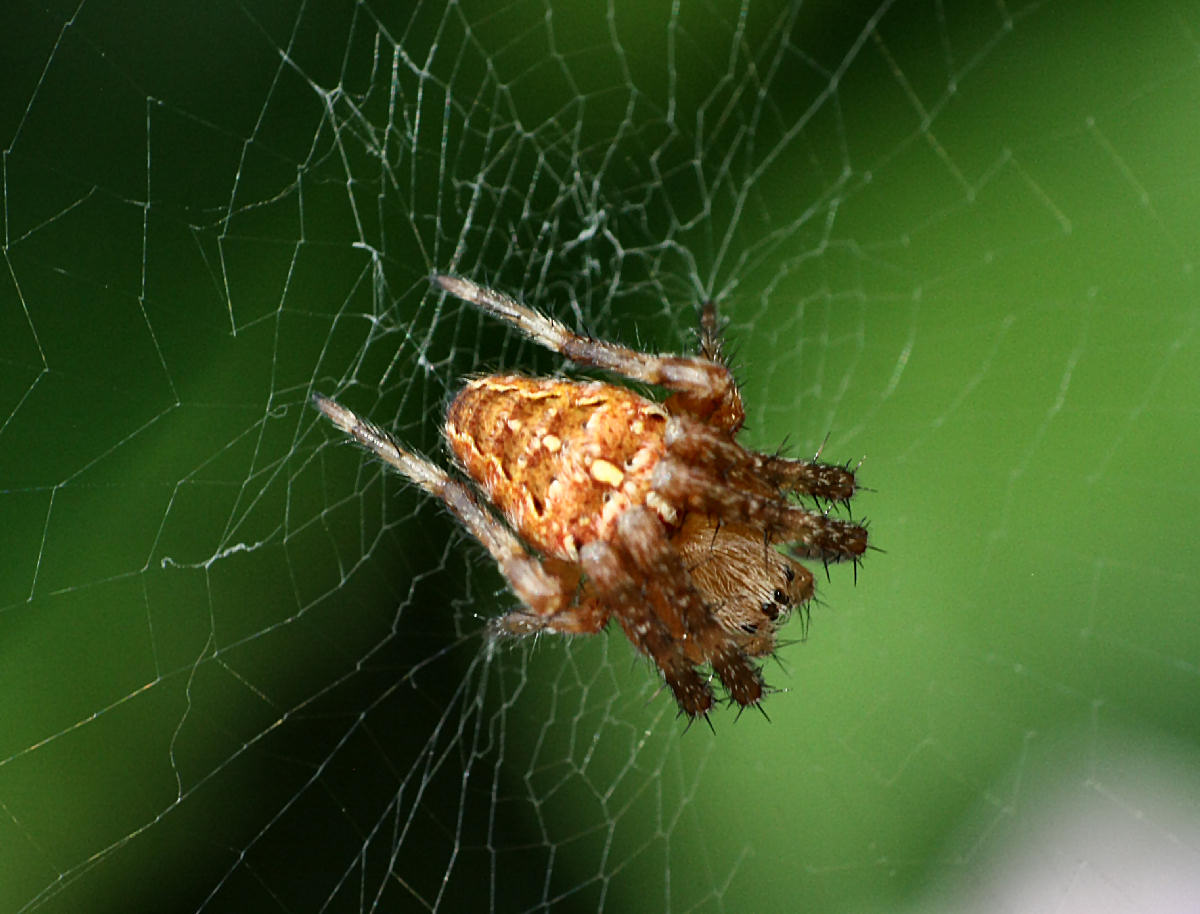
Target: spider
(611, 504)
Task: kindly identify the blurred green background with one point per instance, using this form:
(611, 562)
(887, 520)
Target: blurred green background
(241, 667)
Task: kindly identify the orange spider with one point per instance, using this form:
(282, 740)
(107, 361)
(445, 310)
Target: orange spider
(617, 505)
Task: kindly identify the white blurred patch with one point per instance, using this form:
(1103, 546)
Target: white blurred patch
(1113, 829)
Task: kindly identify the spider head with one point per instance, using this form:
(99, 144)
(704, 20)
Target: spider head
(751, 587)
(796, 589)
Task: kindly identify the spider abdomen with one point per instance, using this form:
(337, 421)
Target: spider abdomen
(561, 460)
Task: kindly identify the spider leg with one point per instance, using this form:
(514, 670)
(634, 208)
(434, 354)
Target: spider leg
(763, 474)
(702, 386)
(711, 343)
(586, 619)
(607, 570)
(821, 480)
(678, 607)
(815, 535)
(545, 591)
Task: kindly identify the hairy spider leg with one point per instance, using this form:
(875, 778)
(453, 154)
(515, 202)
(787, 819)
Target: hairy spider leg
(702, 387)
(547, 589)
(812, 535)
(606, 565)
(662, 613)
(711, 342)
(763, 474)
(677, 601)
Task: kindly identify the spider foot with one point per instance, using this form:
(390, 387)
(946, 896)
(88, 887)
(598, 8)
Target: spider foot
(516, 624)
(692, 693)
(691, 719)
(758, 705)
(741, 678)
(830, 481)
(583, 618)
(821, 537)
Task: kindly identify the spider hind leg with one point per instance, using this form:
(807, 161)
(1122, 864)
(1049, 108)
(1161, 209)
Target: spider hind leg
(546, 590)
(701, 386)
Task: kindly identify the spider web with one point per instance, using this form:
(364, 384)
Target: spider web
(241, 667)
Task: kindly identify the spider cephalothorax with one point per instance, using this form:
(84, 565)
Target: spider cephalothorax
(614, 505)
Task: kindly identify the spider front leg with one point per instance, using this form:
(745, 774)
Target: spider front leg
(702, 473)
(665, 615)
(702, 385)
(812, 533)
(610, 574)
(546, 590)
(762, 474)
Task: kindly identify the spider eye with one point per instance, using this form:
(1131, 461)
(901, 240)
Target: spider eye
(749, 628)
(771, 611)
(789, 572)
(780, 597)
